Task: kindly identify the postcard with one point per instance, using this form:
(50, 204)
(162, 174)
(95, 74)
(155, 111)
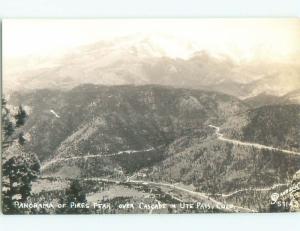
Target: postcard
(150, 116)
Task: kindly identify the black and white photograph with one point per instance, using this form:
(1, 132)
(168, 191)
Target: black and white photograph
(150, 116)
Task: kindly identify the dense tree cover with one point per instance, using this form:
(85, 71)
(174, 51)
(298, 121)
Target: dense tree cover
(19, 168)
(101, 120)
(108, 119)
(75, 200)
(273, 125)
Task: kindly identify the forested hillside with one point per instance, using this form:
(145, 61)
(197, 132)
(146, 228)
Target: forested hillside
(273, 125)
(90, 120)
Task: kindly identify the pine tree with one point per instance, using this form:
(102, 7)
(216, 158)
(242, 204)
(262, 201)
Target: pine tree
(7, 126)
(20, 117)
(19, 168)
(74, 195)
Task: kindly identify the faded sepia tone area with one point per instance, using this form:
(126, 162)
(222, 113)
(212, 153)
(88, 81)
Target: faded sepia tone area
(151, 116)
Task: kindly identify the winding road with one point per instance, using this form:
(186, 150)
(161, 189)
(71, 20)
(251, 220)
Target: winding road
(255, 145)
(220, 136)
(54, 161)
(199, 195)
(217, 132)
(253, 189)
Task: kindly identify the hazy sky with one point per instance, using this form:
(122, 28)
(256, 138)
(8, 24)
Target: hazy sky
(237, 37)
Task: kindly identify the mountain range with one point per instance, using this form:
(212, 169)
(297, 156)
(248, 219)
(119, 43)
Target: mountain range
(131, 109)
(163, 132)
(144, 60)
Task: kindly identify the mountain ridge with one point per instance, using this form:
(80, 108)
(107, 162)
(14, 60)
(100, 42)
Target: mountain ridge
(129, 62)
